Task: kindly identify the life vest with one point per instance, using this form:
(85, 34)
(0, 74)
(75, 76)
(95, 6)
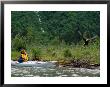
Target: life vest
(24, 57)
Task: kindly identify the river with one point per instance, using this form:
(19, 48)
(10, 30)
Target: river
(53, 72)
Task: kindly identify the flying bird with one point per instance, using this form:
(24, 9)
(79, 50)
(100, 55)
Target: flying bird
(86, 40)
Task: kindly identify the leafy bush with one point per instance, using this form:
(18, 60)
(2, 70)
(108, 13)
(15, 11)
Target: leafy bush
(67, 53)
(55, 41)
(50, 50)
(18, 43)
(15, 55)
(36, 54)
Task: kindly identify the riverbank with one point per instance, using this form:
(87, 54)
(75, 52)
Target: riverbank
(65, 55)
(78, 64)
(75, 64)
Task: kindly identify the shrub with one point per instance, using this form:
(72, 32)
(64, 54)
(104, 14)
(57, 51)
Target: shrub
(55, 41)
(50, 50)
(67, 53)
(18, 43)
(36, 54)
(15, 55)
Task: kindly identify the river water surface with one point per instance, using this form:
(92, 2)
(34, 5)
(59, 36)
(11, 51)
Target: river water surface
(53, 72)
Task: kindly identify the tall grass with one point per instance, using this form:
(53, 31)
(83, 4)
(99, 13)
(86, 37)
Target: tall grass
(89, 53)
(15, 55)
(36, 54)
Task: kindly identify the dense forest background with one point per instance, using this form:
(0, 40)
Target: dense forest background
(33, 29)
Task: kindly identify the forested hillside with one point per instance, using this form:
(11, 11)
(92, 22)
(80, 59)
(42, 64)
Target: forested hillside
(51, 34)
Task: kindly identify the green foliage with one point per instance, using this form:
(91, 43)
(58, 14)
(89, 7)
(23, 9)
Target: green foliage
(18, 43)
(53, 35)
(67, 53)
(55, 41)
(21, 20)
(15, 55)
(30, 35)
(90, 53)
(49, 50)
(46, 27)
(36, 53)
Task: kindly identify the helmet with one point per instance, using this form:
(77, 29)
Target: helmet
(23, 51)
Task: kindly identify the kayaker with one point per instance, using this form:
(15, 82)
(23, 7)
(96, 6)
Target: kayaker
(23, 57)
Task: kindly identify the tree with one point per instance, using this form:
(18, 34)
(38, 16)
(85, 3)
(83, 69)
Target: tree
(44, 26)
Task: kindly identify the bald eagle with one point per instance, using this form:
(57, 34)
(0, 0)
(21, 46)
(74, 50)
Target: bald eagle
(86, 40)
